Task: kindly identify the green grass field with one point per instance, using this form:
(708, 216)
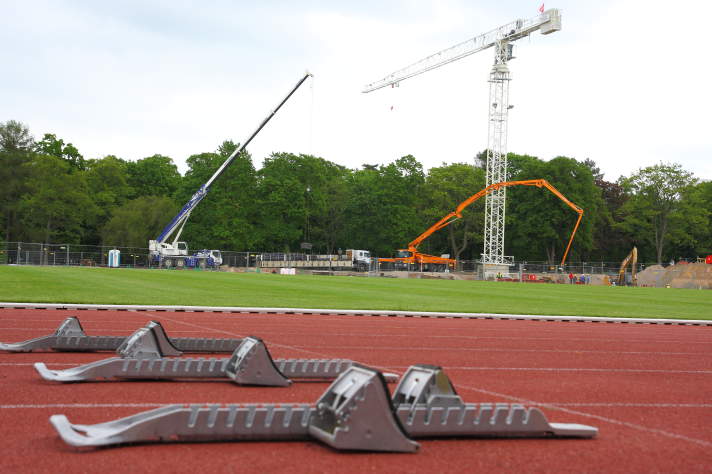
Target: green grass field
(125, 286)
(155, 287)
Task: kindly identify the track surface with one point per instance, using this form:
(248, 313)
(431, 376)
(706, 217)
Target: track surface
(648, 388)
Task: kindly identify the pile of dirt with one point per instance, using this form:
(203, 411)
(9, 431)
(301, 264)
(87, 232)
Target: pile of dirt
(692, 275)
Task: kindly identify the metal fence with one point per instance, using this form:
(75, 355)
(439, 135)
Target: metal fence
(23, 253)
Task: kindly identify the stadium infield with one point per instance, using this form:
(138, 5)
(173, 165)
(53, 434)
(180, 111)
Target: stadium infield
(186, 287)
(647, 387)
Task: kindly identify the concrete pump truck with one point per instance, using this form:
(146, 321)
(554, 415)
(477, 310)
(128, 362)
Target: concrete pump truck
(175, 253)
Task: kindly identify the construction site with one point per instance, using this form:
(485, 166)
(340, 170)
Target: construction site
(169, 357)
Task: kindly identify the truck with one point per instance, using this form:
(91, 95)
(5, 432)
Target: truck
(359, 260)
(412, 260)
(167, 253)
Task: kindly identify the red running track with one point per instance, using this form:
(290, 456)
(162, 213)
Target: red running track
(648, 388)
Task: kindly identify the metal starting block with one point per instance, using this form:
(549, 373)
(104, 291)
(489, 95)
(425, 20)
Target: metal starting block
(355, 413)
(143, 356)
(70, 337)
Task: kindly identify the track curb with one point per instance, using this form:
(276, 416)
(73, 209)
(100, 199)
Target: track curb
(350, 312)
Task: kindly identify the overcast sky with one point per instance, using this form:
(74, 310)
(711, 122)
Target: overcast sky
(625, 83)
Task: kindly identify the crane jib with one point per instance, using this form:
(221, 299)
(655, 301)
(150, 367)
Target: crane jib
(548, 22)
(184, 213)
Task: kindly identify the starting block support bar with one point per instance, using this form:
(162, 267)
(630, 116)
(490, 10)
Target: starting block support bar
(142, 357)
(70, 337)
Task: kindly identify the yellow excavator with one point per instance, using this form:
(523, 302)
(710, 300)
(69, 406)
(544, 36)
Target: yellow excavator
(632, 260)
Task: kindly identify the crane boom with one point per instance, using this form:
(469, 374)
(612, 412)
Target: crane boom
(176, 225)
(547, 22)
(457, 213)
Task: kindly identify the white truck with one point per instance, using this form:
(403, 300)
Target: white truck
(361, 259)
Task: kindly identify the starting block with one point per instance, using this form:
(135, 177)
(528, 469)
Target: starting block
(70, 337)
(143, 355)
(355, 413)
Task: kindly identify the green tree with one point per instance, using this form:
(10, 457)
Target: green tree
(609, 241)
(57, 205)
(16, 143)
(155, 175)
(445, 188)
(384, 205)
(302, 201)
(704, 193)
(137, 221)
(15, 136)
(107, 181)
(690, 228)
(654, 209)
(53, 146)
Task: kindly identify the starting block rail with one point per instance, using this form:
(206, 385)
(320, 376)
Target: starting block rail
(70, 337)
(356, 412)
(143, 356)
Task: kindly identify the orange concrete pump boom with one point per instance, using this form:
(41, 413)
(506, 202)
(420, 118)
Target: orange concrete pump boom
(457, 213)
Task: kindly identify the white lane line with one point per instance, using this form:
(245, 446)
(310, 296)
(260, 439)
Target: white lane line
(271, 344)
(403, 368)
(127, 331)
(605, 419)
(630, 405)
(82, 405)
(351, 312)
(543, 404)
(22, 364)
(468, 349)
(570, 369)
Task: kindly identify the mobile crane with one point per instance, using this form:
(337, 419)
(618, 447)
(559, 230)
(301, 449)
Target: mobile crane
(169, 254)
(411, 259)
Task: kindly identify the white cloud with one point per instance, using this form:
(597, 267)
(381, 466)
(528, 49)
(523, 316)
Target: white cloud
(624, 83)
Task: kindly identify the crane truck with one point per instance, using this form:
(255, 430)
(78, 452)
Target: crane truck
(411, 259)
(167, 254)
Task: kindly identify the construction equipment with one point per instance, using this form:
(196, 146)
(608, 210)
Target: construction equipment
(356, 412)
(501, 40)
(412, 259)
(144, 355)
(632, 260)
(70, 337)
(175, 254)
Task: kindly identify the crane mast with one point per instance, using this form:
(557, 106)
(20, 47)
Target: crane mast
(501, 40)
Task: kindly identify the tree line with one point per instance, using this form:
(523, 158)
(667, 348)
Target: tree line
(50, 193)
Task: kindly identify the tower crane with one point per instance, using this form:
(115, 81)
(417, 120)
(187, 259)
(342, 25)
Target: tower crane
(501, 39)
(166, 253)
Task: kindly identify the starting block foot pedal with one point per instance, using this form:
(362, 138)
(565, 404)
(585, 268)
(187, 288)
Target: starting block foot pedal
(355, 413)
(148, 342)
(252, 364)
